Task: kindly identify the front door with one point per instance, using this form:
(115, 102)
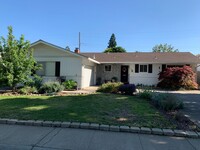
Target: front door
(124, 74)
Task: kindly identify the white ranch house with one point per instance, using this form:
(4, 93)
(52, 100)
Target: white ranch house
(88, 68)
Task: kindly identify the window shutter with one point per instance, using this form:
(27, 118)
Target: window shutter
(57, 69)
(150, 68)
(136, 68)
(164, 67)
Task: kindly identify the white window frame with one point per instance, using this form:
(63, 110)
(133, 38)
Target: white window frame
(108, 66)
(143, 68)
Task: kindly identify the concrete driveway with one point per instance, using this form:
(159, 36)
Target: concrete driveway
(192, 106)
(191, 100)
(16, 137)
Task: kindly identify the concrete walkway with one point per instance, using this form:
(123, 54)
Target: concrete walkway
(88, 90)
(15, 137)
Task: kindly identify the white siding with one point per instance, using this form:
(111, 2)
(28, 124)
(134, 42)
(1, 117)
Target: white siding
(144, 78)
(70, 65)
(42, 50)
(198, 68)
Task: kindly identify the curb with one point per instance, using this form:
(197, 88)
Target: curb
(103, 127)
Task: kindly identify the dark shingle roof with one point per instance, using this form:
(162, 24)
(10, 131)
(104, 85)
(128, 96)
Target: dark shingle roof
(144, 57)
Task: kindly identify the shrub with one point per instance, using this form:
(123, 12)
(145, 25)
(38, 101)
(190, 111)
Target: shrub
(146, 94)
(28, 90)
(177, 77)
(110, 87)
(70, 84)
(167, 102)
(35, 82)
(127, 89)
(51, 87)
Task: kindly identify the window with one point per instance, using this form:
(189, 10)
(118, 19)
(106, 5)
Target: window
(41, 72)
(107, 67)
(143, 68)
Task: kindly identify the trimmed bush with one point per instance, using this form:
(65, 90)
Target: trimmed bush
(127, 89)
(28, 90)
(167, 102)
(110, 87)
(51, 87)
(177, 77)
(146, 94)
(70, 84)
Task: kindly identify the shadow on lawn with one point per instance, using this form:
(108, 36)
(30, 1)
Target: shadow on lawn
(97, 108)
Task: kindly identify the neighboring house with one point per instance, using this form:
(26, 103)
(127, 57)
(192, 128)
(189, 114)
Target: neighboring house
(198, 70)
(87, 68)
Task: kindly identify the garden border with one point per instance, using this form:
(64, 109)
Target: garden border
(103, 127)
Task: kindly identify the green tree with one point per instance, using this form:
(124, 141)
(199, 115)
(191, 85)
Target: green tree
(112, 42)
(16, 62)
(164, 48)
(117, 49)
(112, 46)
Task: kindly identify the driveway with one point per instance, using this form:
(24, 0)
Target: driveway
(192, 106)
(191, 100)
(16, 137)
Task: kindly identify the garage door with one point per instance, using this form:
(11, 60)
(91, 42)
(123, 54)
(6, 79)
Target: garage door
(88, 76)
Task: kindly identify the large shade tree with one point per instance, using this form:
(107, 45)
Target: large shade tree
(16, 62)
(112, 46)
(164, 48)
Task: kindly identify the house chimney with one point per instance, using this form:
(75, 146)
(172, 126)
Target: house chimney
(77, 50)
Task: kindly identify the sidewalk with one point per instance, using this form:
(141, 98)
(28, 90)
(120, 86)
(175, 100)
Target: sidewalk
(15, 137)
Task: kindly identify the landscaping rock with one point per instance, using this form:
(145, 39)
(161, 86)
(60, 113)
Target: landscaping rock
(38, 123)
(94, 126)
(56, 124)
(3, 120)
(75, 125)
(104, 127)
(179, 133)
(124, 128)
(12, 121)
(21, 122)
(198, 133)
(145, 130)
(29, 122)
(168, 132)
(114, 128)
(65, 124)
(135, 129)
(157, 131)
(47, 123)
(84, 125)
(191, 134)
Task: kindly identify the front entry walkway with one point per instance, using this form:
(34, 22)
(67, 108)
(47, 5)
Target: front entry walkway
(88, 90)
(16, 137)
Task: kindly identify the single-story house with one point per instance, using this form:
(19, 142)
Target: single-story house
(89, 68)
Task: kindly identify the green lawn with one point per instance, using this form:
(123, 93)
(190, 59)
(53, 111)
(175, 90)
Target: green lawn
(96, 108)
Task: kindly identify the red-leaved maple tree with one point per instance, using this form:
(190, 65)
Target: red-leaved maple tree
(177, 77)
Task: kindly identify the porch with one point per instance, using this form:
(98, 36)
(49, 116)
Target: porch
(143, 73)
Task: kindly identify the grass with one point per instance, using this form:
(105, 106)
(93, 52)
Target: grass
(96, 108)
